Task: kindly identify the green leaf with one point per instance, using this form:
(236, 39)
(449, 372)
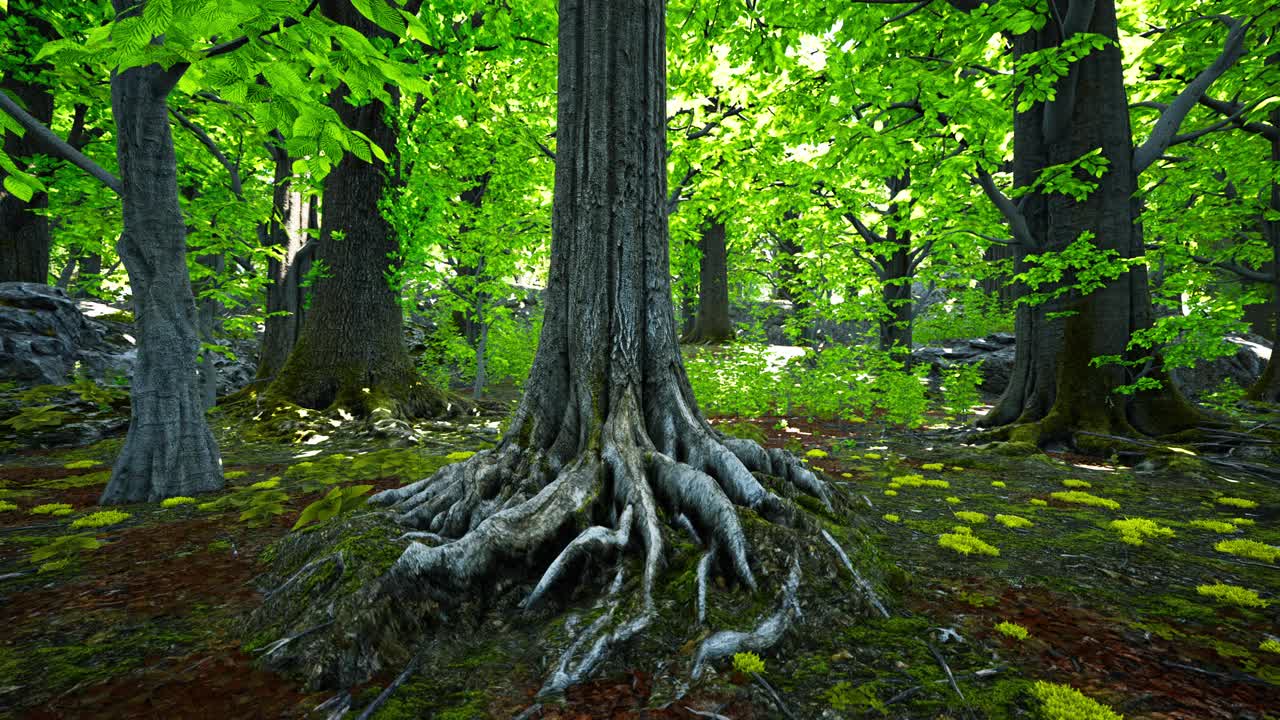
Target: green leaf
(18, 186)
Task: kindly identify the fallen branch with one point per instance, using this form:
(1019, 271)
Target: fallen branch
(777, 700)
(386, 693)
(951, 678)
(860, 581)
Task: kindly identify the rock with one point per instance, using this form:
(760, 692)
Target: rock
(41, 332)
(995, 352)
(1243, 368)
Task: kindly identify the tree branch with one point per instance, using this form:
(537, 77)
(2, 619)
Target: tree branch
(1236, 111)
(237, 188)
(1237, 269)
(51, 144)
(673, 201)
(175, 73)
(867, 233)
(1171, 119)
(1017, 221)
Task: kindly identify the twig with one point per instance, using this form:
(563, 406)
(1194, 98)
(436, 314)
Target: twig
(773, 694)
(945, 668)
(386, 694)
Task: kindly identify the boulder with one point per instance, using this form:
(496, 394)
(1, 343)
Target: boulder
(1243, 368)
(41, 334)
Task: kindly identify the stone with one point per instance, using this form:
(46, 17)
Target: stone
(41, 331)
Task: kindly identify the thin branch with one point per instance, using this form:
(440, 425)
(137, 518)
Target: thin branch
(906, 13)
(1236, 269)
(1017, 221)
(1267, 130)
(237, 188)
(673, 201)
(1221, 124)
(175, 73)
(51, 144)
(1171, 119)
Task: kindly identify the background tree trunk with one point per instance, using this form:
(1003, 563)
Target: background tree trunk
(169, 450)
(351, 351)
(711, 323)
(292, 218)
(24, 233)
(1054, 389)
(895, 328)
(1267, 388)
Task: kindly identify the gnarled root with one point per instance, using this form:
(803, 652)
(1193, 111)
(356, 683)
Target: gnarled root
(512, 525)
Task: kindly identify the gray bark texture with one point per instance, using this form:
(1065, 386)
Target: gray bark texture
(1053, 384)
(1267, 388)
(711, 324)
(292, 217)
(169, 450)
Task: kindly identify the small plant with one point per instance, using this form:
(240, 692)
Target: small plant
(338, 501)
(1232, 595)
(1013, 521)
(234, 474)
(1271, 645)
(952, 499)
(1134, 530)
(176, 501)
(100, 519)
(1013, 630)
(967, 544)
(891, 493)
(6, 506)
(1080, 497)
(60, 552)
(960, 389)
(998, 484)
(871, 456)
(1039, 501)
(1242, 522)
(55, 509)
(748, 663)
(890, 517)
(1076, 484)
(1218, 526)
(970, 516)
(1237, 502)
(81, 464)
(459, 456)
(917, 481)
(1063, 702)
(36, 417)
(935, 467)
(815, 453)
(1250, 549)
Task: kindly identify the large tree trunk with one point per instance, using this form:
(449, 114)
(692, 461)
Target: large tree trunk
(351, 352)
(1054, 389)
(608, 431)
(169, 450)
(1267, 388)
(24, 232)
(711, 324)
(293, 217)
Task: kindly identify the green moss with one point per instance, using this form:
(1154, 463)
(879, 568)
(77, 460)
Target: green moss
(970, 516)
(1250, 549)
(1076, 484)
(917, 481)
(51, 509)
(176, 501)
(890, 517)
(1083, 498)
(1271, 645)
(1135, 530)
(967, 544)
(1237, 502)
(1013, 521)
(997, 484)
(1062, 702)
(846, 697)
(1218, 526)
(100, 519)
(6, 506)
(748, 662)
(1013, 630)
(1232, 595)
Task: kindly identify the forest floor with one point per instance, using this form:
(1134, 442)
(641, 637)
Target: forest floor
(149, 624)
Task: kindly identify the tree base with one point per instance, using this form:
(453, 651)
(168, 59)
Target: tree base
(645, 545)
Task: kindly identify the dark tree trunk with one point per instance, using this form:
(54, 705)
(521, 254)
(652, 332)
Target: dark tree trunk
(24, 232)
(1267, 388)
(711, 323)
(351, 351)
(169, 450)
(998, 284)
(292, 218)
(1054, 389)
(895, 327)
(607, 431)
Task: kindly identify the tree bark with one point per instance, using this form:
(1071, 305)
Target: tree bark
(896, 326)
(24, 231)
(292, 218)
(351, 351)
(711, 324)
(1267, 388)
(1054, 389)
(169, 450)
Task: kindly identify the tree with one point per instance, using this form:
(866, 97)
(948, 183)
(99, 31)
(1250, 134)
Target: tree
(1077, 126)
(608, 430)
(711, 323)
(350, 352)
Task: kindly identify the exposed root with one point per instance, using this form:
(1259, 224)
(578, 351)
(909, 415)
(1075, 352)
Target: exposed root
(594, 539)
(704, 573)
(271, 649)
(306, 571)
(861, 582)
(764, 636)
(575, 665)
(390, 689)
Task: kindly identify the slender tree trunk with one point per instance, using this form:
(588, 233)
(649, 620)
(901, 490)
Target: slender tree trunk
(292, 219)
(169, 450)
(351, 351)
(896, 326)
(1267, 388)
(712, 323)
(24, 232)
